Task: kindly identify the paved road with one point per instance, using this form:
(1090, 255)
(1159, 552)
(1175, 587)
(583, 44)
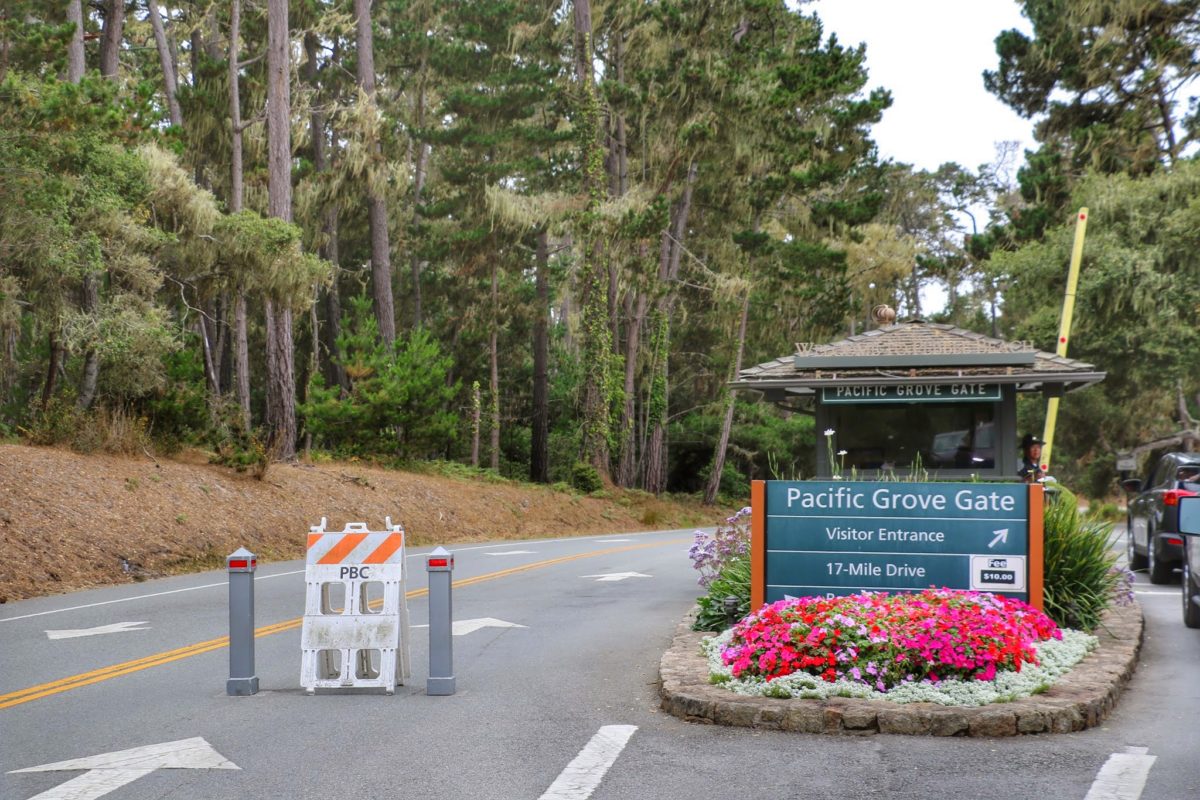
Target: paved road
(529, 699)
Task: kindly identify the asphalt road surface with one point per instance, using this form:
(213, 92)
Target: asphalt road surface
(564, 706)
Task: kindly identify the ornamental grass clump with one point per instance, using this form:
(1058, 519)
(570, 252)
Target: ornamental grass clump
(882, 641)
(1081, 573)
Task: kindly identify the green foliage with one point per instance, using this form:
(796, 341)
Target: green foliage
(732, 581)
(1080, 579)
(397, 401)
(1139, 286)
(244, 451)
(764, 443)
(586, 478)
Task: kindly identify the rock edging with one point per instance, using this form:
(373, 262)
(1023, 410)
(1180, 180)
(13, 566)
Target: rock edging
(1080, 699)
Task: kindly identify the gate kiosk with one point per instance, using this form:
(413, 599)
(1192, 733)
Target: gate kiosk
(356, 627)
(913, 400)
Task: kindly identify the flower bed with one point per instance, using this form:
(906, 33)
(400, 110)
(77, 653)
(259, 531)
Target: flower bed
(939, 645)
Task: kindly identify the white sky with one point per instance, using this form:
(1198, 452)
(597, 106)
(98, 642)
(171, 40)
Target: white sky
(931, 55)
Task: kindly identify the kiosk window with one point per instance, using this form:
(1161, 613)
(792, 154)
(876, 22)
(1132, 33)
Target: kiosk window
(894, 435)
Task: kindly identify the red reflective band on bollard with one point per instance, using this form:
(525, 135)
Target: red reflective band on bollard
(439, 562)
(243, 564)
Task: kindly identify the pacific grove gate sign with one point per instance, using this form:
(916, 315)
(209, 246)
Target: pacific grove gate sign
(835, 538)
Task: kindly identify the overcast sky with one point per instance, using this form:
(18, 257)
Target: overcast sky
(931, 54)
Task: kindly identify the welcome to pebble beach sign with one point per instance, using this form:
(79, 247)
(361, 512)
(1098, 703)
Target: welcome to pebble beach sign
(832, 538)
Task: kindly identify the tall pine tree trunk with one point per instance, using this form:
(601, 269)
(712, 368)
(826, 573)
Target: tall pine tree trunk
(627, 466)
(56, 356)
(539, 445)
(597, 334)
(167, 62)
(75, 57)
(335, 370)
(381, 259)
(714, 479)
(670, 256)
(281, 386)
(494, 385)
(111, 37)
(89, 300)
(420, 173)
(241, 344)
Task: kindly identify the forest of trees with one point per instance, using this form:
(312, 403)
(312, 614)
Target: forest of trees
(540, 237)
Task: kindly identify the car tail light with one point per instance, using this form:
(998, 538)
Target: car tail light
(1171, 540)
(1171, 496)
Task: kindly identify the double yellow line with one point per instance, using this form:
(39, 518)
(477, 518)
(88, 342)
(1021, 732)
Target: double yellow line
(158, 659)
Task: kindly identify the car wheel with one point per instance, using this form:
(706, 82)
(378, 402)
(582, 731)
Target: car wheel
(1135, 560)
(1191, 611)
(1159, 571)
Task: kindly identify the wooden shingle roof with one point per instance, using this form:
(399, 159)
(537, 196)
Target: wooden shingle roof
(918, 352)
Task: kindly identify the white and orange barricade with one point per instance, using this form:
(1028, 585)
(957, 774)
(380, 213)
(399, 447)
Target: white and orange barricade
(356, 628)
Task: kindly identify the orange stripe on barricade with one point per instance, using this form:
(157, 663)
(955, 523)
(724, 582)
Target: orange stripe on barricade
(313, 538)
(343, 548)
(382, 553)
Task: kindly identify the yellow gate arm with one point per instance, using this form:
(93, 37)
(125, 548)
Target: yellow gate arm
(1064, 330)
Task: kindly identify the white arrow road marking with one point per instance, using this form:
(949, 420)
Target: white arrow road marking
(1123, 776)
(512, 553)
(462, 627)
(110, 771)
(584, 773)
(1001, 536)
(616, 576)
(116, 627)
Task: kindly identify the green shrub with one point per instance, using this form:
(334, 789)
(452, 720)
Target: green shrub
(732, 581)
(397, 402)
(586, 478)
(57, 423)
(1080, 579)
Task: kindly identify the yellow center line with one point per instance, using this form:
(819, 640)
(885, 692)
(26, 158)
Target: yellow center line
(158, 659)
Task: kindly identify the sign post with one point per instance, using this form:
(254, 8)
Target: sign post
(832, 538)
(242, 679)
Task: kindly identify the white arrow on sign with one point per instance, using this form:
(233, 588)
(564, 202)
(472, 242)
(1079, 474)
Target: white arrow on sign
(1001, 536)
(116, 627)
(462, 627)
(616, 576)
(512, 553)
(110, 771)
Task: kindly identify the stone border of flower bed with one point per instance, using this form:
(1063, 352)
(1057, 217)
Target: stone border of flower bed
(1081, 699)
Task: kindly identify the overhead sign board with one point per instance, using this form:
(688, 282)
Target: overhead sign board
(835, 538)
(913, 393)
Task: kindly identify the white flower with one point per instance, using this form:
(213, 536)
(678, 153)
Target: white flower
(829, 432)
(842, 452)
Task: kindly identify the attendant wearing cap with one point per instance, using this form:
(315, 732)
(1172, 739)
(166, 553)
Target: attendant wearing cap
(1031, 459)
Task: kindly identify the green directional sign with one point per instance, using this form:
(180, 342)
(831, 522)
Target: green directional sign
(913, 393)
(842, 537)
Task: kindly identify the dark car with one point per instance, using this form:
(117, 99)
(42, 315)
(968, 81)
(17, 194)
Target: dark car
(1152, 539)
(1189, 525)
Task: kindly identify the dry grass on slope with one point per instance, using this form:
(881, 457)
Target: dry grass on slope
(70, 521)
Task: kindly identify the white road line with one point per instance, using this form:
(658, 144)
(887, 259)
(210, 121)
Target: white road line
(584, 773)
(146, 596)
(301, 572)
(93, 784)
(1123, 776)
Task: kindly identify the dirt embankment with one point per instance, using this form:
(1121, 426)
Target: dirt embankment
(70, 521)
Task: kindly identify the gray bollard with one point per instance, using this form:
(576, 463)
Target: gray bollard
(242, 680)
(440, 566)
